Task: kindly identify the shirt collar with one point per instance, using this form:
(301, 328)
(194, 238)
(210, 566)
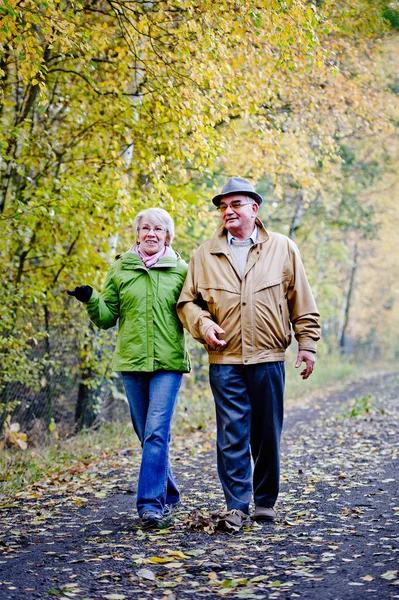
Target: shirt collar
(253, 237)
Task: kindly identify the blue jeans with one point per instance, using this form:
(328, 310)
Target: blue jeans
(152, 399)
(249, 415)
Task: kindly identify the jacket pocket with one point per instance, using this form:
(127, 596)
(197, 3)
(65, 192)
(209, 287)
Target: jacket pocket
(271, 314)
(219, 300)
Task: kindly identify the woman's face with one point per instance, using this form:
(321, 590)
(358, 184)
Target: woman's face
(152, 238)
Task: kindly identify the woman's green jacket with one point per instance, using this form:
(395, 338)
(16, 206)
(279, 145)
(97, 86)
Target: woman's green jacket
(150, 335)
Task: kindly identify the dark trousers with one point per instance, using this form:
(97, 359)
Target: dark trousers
(249, 415)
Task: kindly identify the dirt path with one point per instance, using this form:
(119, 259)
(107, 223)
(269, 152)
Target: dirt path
(76, 536)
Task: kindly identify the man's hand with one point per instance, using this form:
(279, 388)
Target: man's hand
(309, 358)
(211, 337)
(82, 293)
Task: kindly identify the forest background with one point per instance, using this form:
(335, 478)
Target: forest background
(111, 106)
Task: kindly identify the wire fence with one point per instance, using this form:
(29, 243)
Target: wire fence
(54, 400)
(54, 397)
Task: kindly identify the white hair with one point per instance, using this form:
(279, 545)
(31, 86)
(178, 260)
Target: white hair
(155, 216)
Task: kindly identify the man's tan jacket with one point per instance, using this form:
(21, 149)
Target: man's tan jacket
(257, 311)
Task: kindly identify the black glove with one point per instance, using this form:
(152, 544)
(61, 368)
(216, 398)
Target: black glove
(82, 293)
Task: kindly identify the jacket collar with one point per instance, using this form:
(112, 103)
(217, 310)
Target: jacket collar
(132, 260)
(219, 243)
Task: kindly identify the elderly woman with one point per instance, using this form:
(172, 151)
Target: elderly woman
(141, 290)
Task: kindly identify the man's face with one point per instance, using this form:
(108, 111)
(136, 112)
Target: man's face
(239, 220)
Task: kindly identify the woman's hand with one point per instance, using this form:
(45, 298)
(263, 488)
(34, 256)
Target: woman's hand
(81, 292)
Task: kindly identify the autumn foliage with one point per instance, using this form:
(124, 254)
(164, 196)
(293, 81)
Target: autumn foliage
(107, 107)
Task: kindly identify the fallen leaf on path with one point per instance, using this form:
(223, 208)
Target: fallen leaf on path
(146, 574)
(159, 559)
(176, 553)
(390, 575)
(199, 522)
(174, 565)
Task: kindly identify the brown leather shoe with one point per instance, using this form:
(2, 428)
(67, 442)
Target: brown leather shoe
(264, 514)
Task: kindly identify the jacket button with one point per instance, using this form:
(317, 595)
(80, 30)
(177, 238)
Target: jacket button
(244, 303)
(245, 360)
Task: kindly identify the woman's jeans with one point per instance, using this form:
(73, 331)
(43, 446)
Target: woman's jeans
(152, 399)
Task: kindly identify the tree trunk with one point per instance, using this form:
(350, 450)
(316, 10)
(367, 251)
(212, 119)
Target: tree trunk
(85, 414)
(296, 219)
(47, 371)
(4, 399)
(349, 295)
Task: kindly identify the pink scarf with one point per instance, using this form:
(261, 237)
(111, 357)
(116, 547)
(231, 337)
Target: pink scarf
(150, 259)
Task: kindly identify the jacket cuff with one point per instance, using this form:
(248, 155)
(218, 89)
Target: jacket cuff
(93, 298)
(307, 344)
(204, 324)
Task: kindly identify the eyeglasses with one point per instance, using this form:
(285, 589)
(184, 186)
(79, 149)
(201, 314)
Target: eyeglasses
(157, 230)
(235, 205)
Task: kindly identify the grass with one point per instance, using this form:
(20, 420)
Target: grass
(19, 468)
(328, 371)
(195, 410)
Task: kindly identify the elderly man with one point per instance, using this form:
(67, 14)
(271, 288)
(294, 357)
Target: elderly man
(244, 290)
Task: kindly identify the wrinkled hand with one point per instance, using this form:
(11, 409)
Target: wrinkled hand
(211, 337)
(307, 357)
(81, 292)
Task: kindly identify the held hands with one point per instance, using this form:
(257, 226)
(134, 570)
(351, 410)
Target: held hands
(307, 357)
(81, 292)
(213, 335)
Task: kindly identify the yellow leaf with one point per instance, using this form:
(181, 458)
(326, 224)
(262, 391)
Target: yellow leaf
(177, 553)
(173, 565)
(13, 435)
(21, 441)
(79, 501)
(159, 559)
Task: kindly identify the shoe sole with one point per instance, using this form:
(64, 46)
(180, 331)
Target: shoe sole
(157, 524)
(264, 518)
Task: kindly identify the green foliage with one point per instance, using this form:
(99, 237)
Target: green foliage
(361, 406)
(391, 13)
